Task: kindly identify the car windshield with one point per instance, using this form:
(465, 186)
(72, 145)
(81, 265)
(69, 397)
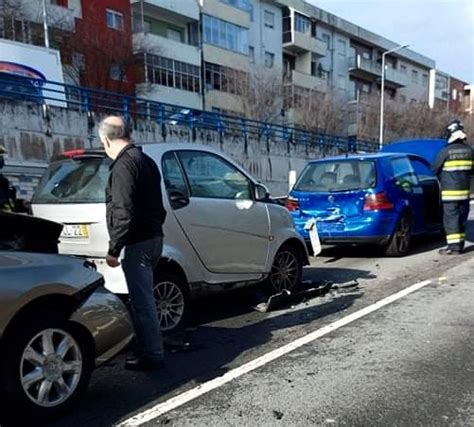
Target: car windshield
(79, 180)
(338, 175)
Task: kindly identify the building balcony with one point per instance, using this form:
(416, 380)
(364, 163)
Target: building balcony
(187, 9)
(297, 42)
(371, 70)
(308, 81)
(162, 46)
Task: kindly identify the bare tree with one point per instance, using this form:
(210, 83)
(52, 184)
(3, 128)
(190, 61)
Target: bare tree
(321, 112)
(261, 93)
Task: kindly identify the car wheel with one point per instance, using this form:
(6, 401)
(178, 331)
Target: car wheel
(287, 269)
(46, 367)
(400, 241)
(172, 300)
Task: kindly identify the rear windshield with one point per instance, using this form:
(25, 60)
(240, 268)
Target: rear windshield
(79, 180)
(343, 175)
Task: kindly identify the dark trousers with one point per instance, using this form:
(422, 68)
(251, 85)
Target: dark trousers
(139, 264)
(455, 215)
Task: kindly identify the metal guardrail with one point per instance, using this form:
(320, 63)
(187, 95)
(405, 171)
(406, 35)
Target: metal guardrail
(89, 101)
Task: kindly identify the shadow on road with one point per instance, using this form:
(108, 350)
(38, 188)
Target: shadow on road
(115, 393)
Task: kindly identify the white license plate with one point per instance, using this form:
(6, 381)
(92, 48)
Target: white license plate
(72, 231)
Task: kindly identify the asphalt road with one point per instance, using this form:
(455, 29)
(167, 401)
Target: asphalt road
(409, 363)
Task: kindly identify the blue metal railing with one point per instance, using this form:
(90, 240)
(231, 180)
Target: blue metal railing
(134, 108)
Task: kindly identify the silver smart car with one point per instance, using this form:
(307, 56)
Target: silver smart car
(57, 321)
(222, 230)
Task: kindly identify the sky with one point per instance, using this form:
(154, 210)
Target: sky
(442, 30)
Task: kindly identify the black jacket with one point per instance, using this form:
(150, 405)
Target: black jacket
(454, 167)
(135, 211)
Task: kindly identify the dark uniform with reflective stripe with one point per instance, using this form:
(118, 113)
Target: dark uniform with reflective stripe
(454, 167)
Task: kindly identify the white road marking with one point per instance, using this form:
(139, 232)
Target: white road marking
(187, 396)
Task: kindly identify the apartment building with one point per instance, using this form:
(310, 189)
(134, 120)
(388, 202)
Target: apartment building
(166, 42)
(201, 54)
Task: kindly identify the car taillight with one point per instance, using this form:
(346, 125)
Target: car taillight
(292, 204)
(377, 202)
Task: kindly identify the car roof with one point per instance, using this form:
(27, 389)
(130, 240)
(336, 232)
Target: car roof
(154, 148)
(362, 156)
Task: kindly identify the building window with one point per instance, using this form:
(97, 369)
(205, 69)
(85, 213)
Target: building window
(240, 4)
(62, 3)
(341, 47)
(302, 23)
(326, 38)
(117, 73)
(269, 18)
(175, 35)
(226, 35)
(252, 54)
(223, 79)
(251, 13)
(403, 69)
(455, 95)
(269, 59)
(114, 19)
(403, 99)
(176, 74)
(414, 76)
(425, 79)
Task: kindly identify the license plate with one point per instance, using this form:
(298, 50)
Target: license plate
(72, 231)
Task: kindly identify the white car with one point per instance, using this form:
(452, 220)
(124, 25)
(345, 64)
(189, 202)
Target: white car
(222, 230)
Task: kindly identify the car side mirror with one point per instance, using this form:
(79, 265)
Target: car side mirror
(261, 193)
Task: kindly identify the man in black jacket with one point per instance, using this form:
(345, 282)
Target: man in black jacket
(135, 215)
(454, 166)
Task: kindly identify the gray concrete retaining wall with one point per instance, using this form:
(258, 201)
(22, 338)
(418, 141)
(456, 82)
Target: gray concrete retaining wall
(32, 137)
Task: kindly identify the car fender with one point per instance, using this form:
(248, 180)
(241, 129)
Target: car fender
(282, 230)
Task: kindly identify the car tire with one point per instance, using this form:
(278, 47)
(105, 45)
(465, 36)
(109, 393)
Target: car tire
(287, 269)
(173, 301)
(35, 386)
(400, 241)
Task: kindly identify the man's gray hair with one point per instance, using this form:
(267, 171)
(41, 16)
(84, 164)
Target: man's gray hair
(113, 132)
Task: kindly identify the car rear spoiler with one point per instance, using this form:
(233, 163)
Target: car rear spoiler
(79, 154)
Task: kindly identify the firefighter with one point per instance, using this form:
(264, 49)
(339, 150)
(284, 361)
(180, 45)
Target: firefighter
(454, 166)
(6, 202)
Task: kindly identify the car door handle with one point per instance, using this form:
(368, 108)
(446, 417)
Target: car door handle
(178, 200)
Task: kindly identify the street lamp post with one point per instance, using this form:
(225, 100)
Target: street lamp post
(382, 90)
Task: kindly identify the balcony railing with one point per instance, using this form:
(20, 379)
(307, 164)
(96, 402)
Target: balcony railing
(93, 101)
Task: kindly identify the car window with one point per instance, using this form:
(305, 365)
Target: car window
(172, 174)
(79, 180)
(343, 175)
(422, 170)
(211, 176)
(403, 172)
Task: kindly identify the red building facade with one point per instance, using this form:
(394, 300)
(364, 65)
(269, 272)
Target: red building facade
(100, 49)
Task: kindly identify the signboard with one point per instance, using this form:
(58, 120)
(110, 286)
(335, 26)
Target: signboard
(24, 70)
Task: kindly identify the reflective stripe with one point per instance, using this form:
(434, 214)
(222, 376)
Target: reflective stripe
(451, 195)
(457, 168)
(458, 163)
(456, 238)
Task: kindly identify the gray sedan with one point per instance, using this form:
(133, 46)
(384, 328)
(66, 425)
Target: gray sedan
(57, 322)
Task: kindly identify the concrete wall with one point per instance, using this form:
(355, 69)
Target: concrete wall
(31, 141)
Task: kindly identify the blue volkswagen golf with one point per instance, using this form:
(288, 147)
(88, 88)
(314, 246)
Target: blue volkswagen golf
(384, 198)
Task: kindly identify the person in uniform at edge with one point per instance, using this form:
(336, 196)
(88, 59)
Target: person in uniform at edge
(454, 167)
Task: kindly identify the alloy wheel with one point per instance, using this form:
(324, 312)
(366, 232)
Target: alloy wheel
(171, 304)
(403, 235)
(285, 271)
(51, 367)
